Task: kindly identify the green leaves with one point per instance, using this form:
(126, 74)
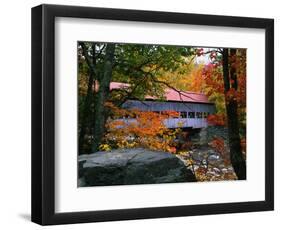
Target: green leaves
(140, 64)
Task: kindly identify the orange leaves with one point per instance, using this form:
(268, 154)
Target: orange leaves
(170, 113)
(116, 112)
(216, 119)
(134, 128)
(148, 124)
(114, 124)
(172, 149)
(197, 80)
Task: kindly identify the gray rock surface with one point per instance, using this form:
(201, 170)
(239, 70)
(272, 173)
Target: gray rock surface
(132, 166)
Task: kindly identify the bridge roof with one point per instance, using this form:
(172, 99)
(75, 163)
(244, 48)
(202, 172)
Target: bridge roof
(170, 94)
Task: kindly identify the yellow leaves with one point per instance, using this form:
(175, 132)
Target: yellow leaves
(187, 78)
(180, 124)
(183, 153)
(104, 147)
(83, 84)
(122, 144)
(189, 161)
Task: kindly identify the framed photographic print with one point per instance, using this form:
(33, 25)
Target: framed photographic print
(142, 114)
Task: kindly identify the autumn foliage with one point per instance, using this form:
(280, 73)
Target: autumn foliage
(212, 75)
(135, 128)
(216, 119)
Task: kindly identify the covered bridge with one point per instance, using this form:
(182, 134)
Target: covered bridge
(193, 108)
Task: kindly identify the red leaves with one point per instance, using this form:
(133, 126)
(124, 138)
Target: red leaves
(216, 119)
(213, 79)
(231, 94)
(214, 84)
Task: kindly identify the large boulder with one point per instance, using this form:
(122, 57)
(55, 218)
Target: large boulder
(131, 166)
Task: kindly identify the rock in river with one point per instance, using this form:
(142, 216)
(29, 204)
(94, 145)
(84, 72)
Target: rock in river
(132, 166)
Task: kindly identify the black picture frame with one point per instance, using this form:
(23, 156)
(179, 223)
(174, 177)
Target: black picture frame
(43, 110)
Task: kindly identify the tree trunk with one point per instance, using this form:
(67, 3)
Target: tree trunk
(236, 156)
(101, 97)
(91, 62)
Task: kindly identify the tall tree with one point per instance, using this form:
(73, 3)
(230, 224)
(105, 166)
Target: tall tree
(223, 79)
(230, 88)
(102, 94)
(86, 108)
